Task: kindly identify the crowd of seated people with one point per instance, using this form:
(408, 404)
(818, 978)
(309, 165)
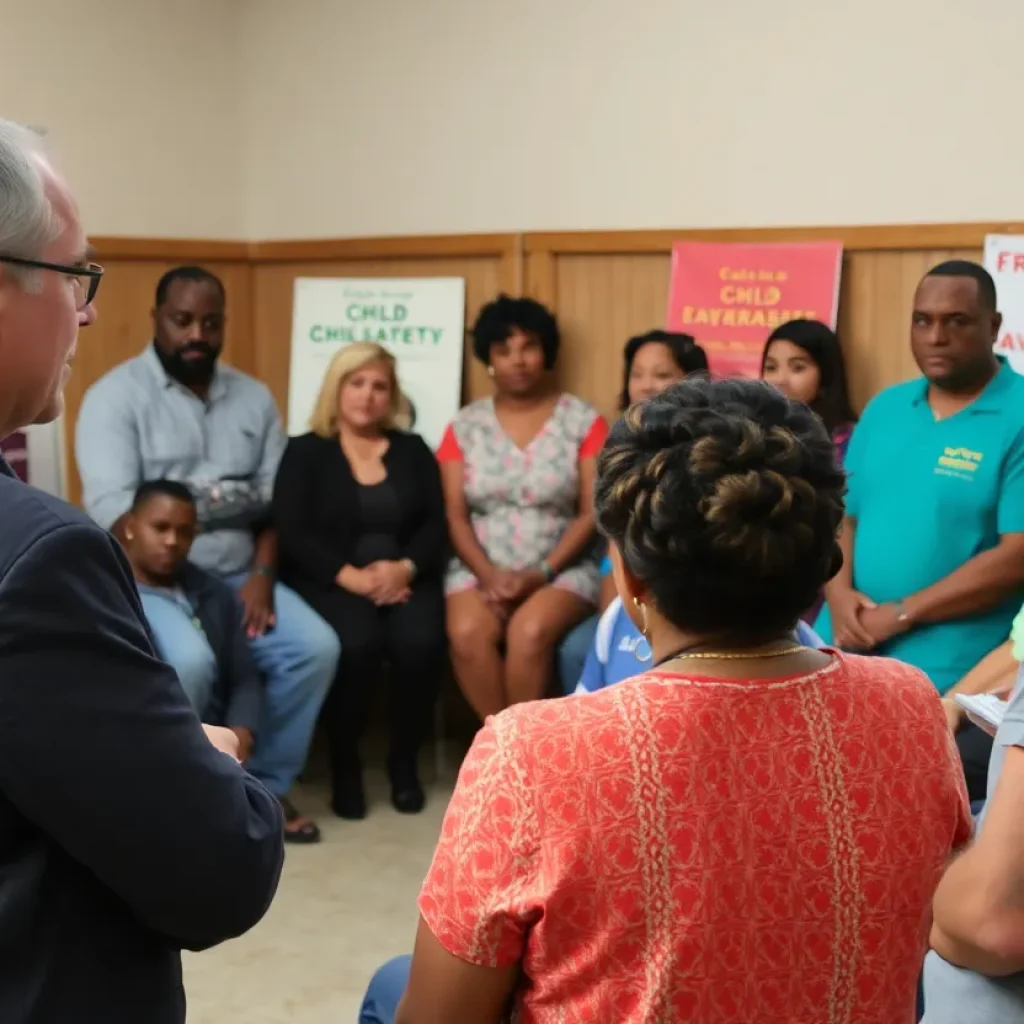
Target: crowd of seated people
(284, 580)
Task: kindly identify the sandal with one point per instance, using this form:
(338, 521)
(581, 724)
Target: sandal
(306, 833)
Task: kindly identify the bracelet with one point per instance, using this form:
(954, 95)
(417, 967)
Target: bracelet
(902, 615)
(264, 570)
(410, 568)
(546, 570)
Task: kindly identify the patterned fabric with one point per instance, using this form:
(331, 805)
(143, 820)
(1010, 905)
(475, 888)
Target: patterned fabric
(520, 500)
(682, 849)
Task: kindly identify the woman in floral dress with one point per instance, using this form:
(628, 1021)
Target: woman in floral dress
(518, 473)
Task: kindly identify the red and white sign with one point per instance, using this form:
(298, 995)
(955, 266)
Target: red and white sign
(730, 296)
(1004, 260)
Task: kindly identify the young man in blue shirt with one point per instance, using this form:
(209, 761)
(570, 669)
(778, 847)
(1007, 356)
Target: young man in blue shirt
(934, 535)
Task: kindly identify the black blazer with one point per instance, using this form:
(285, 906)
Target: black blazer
(315, 501)
(124, 835)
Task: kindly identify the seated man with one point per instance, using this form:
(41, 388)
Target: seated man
(933, 541)
(174, 412)
(210, 653)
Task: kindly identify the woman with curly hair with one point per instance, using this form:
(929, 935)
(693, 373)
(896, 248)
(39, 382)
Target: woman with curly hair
(743, 832)
(518, 475)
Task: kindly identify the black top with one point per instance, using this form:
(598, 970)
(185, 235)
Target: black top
(237, 697)
(125, 837)
(318, 512)
(377, 525)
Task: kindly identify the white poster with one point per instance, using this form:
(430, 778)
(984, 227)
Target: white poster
(1004, 260)
(420, 320)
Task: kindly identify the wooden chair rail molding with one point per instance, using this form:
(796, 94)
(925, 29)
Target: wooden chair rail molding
(604, 286)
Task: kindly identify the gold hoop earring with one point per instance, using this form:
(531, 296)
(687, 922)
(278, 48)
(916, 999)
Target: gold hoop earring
(642, 609)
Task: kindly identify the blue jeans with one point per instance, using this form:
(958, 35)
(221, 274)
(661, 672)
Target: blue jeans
(384, 992)
(298, 658)
(573, 651)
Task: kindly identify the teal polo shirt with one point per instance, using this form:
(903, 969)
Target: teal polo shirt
(927, 496)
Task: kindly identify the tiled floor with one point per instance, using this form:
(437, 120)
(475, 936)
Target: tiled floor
(344, 906)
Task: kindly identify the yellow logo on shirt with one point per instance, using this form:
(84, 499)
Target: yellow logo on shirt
(959, 462)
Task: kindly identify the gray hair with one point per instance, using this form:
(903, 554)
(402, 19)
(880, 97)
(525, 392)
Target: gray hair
(27, 220)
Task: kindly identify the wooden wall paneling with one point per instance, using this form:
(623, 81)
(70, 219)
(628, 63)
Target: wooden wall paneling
(607, 286)
(485, 274)
(601, 301)
(123, 325)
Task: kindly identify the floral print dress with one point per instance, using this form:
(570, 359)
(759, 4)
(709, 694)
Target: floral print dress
(520, 500)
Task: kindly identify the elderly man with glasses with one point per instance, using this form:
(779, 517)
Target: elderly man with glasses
(128, 831)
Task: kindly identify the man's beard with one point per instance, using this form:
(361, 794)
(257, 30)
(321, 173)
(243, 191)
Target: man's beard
(197, 370)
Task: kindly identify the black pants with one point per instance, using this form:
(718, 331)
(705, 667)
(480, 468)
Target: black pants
(411, 639)
(975, 747)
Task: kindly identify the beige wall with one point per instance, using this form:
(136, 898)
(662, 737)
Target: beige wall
(140, 98)
(408, 116)
(269, 119)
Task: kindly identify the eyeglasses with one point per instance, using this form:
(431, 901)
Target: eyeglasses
(86, 276)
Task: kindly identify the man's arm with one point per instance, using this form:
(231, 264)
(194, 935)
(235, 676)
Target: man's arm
(100, 749)
(245, 688)
(979, 905)
(245, 504)
(107, 454)
(978, 585)
(987, 579)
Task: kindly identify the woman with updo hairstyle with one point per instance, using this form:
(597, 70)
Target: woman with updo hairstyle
(744, 832)
(518, 473)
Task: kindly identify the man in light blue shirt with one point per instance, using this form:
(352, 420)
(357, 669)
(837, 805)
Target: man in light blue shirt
(174, 412)
(934, 535)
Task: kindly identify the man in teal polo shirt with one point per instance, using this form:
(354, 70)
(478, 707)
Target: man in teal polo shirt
(934, 535)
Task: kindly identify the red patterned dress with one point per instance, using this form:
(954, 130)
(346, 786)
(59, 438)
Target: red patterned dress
(684, 850)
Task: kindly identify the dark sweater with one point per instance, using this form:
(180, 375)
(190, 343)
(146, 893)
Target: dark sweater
(317, 513)
(125, 837)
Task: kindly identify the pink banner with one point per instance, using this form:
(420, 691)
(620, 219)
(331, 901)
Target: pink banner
(731, 295)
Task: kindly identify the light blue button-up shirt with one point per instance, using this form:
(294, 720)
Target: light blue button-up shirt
(136, 424)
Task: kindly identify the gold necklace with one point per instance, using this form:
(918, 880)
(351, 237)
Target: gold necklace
(736, 656)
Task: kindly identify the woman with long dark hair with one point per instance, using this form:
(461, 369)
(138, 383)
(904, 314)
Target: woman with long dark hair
(803, 359)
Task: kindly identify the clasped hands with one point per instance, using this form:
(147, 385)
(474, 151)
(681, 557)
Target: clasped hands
(383, 583)
(504, 589)
(859, 624)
